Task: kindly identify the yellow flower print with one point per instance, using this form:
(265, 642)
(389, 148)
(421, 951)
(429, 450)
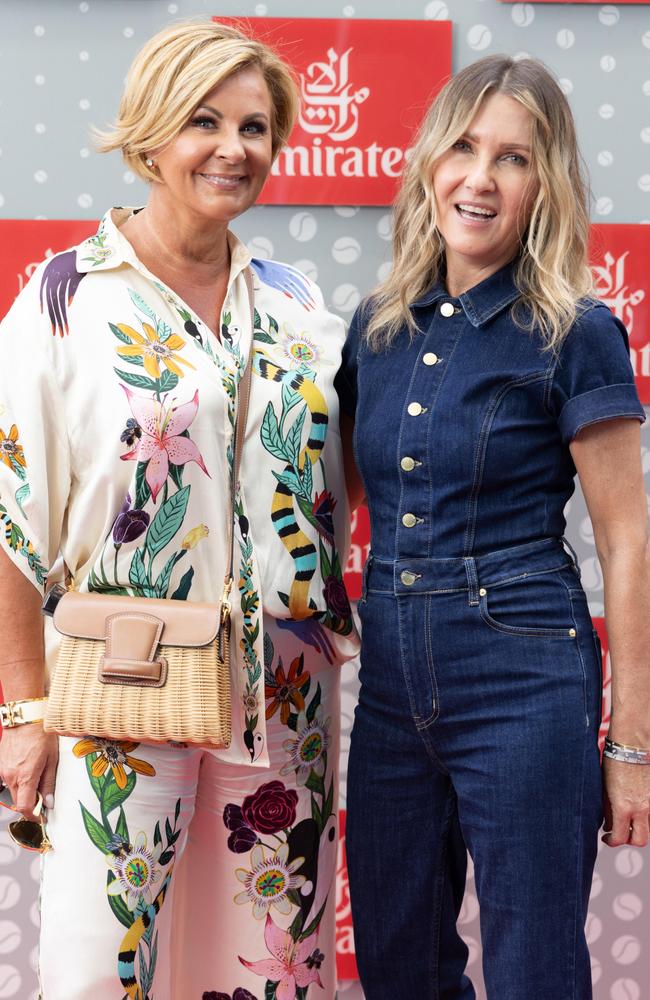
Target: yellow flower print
(10, 451)
(193, 537)
(153, 350)
(114, 754)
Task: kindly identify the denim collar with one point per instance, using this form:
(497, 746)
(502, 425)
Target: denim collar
(482, 302)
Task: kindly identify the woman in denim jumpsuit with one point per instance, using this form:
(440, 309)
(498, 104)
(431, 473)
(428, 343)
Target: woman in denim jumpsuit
(477, 724)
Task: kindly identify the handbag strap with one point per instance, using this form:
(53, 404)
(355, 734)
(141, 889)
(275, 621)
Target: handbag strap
(240, 432)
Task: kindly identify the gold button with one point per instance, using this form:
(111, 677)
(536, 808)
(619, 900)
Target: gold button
(408, 463)
(482, 592)
(572, 633)
(430, 358)
(408, 578)
(447, 309)
(409, 520)
(414, 409)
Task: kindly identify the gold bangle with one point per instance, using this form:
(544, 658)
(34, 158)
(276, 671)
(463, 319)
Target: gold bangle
(21, 713)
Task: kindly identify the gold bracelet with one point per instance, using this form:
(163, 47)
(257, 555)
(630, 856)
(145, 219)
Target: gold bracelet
(21, 713)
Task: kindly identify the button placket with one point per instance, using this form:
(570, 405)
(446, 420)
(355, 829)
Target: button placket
(414, 523)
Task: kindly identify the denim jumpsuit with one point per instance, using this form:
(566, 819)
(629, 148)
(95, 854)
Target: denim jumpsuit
(478, 717)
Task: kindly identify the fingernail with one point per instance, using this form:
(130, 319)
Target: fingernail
(49, 801)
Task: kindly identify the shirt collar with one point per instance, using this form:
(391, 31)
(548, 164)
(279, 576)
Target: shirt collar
(109, 249)
(482, 302)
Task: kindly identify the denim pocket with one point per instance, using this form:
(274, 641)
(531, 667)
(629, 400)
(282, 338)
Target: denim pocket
(536, 606)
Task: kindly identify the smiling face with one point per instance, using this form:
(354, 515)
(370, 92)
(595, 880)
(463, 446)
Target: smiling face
(216, 166)
(484, 188)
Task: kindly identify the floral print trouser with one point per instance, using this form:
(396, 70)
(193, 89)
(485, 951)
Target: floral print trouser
(175, 876)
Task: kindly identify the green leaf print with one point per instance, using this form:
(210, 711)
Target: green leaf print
(167, 522)
(290, 480)
(183, 589)
(263, 338)
(257, 319)
(168, 381)
(121, 827)
(294, 438)
(96, 784)
(272, 323)
(97, 833)
(118, 333)
(137, 573)
(325, 565)
(113, 796)
(307, 480)
(290, 398)
(270, 434)
(163, 330)
(118, 906)
(161, 585)
(270, 992)
(142, 490)
(21, 496)
(140, 304)
(137, 381)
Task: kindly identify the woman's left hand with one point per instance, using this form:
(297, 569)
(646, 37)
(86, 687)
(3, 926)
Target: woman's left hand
(627, 803)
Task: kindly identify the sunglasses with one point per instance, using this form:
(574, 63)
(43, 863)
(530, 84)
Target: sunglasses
(27, 833)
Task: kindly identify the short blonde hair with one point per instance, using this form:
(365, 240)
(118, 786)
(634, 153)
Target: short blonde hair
(551, 271)
(174, 71)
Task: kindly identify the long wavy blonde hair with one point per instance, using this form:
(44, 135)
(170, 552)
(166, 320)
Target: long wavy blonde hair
(551, 270)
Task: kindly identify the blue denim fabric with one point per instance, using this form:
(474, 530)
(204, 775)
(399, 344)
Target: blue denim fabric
(477, 723)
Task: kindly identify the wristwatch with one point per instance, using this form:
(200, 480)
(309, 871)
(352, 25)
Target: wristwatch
(20, 713)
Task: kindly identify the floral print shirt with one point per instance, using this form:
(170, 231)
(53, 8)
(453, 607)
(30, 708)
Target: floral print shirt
(117, 414)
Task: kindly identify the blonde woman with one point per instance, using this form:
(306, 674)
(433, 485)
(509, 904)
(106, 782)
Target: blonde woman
(481, 376)
(178, 873)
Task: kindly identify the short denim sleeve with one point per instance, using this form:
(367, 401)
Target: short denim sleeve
(593, 379)
(346, 378)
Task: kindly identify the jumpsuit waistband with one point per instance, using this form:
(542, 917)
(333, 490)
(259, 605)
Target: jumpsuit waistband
(413, 576)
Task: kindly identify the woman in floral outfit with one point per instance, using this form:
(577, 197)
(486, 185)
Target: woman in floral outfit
(176, 872)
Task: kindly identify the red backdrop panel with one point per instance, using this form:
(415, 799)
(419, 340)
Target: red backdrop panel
(365, 85)
(619, 255)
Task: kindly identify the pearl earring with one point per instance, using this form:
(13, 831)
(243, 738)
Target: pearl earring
(149, 161)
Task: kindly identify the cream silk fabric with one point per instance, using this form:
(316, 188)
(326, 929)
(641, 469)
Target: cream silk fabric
(117, 408)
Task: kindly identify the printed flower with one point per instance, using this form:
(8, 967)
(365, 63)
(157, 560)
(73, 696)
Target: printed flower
(129, 524)
(193, 537)
(336, 597)
(152, 350)
(285, 691)
(299, 349)
(249, 702)
(269, 881)
(271, 808)
(112, 754)
(239, 994)
(11, 453)
(242, 837)
(290, 966)
(163, 441)
(136, 872)
(307, 750)
(323, 509)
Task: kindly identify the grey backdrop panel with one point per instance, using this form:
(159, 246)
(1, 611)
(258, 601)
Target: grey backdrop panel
(62, 64)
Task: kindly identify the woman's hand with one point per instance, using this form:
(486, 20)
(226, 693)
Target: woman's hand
(28, 759)
(627, 803)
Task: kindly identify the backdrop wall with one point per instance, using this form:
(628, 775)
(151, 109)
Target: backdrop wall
(62, 64)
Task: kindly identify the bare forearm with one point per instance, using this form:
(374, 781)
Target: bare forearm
(22, 672)
(626, 573)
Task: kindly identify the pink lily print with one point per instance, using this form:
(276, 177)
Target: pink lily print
(294, 963)
(162, 440)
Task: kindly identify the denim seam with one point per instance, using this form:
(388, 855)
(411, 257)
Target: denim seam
(577, 922)
(439, 892)
(397, 458)
(479, 457)
(428, 646)
(582, 662)
(405, 674)
(561, 634)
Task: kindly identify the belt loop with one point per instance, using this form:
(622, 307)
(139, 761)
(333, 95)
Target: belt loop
(472, 579)
(568, 548)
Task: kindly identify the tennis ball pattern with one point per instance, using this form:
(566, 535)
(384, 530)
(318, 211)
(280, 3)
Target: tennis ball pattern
(49, 170)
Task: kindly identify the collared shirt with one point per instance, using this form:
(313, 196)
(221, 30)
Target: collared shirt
(462, 432)
(117, 412)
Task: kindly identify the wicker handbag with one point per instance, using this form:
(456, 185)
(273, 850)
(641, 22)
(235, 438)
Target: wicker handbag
(144, 669)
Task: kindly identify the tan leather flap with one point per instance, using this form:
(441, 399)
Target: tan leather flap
(185, 623)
